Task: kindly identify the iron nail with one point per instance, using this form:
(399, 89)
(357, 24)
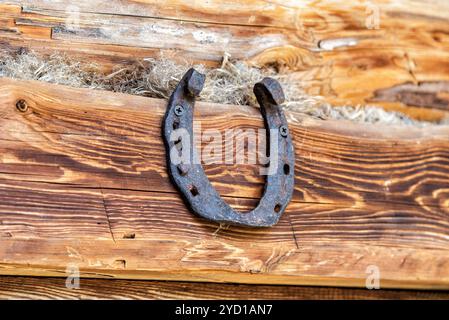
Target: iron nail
(284, 131)
(179, 110)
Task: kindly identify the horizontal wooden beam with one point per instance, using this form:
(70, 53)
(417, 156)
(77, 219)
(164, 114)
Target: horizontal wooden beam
(83, 180)
(265, 13)
(55, 288)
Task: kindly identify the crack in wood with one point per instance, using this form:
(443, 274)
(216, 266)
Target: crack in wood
(107, 214)
(293, 232)
(424, 94)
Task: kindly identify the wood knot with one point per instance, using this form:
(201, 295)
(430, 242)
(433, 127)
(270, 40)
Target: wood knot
(22, 105)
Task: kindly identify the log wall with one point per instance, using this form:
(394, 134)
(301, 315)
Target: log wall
(389, 53)
(83, 181)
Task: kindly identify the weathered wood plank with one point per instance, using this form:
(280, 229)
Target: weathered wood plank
(10, 8)
(206, 259)
(83, 179)
(201, 41)
(54, 288)
(35, 32)
(278, 13)
(331, 45)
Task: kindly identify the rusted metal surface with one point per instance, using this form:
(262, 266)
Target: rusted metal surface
(188, 174)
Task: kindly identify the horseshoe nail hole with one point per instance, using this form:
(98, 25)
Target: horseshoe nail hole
(277, 208)
(194, 191)
(286, 169)
(178, 144)
(182, 170)
(175, 125)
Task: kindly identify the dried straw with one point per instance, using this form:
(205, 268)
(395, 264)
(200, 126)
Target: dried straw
(231, 83)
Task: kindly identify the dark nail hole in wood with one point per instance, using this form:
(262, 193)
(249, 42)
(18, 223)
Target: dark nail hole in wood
(286, 169)
(120, 263)
(22, 105)
(277, 208)
(129, 236)
(194, 191)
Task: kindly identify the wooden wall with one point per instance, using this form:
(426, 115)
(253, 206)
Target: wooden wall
(83, 178)
(83, 181)
(332, 48)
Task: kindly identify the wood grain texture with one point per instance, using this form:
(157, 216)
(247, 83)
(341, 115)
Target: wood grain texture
(331, 48)
(15, 288)
(83, 180)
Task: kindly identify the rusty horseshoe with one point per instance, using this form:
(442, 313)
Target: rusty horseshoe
(189, 176)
